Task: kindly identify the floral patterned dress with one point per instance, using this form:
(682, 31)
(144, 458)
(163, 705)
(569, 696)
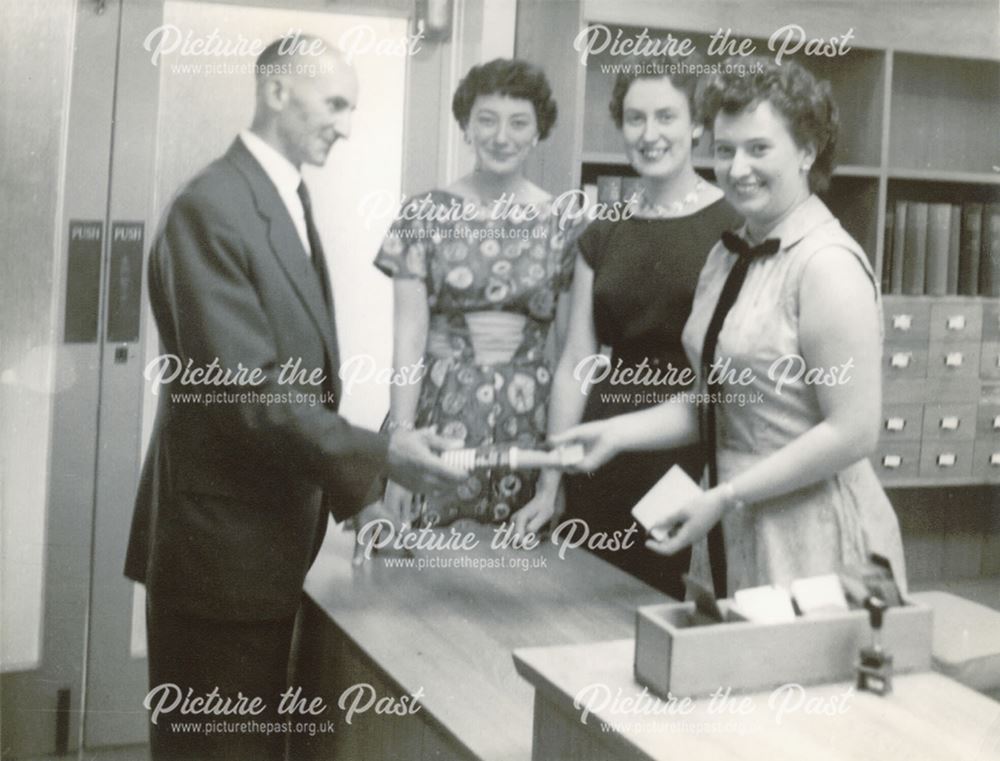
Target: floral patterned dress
(492, 287)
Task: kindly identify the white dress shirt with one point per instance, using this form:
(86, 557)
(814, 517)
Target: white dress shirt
(286, 179)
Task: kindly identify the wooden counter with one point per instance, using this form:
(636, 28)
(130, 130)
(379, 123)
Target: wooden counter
(928, 717)
(450, 632)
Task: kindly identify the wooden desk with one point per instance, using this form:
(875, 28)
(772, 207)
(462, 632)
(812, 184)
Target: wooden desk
(451, 632)
(928, 718)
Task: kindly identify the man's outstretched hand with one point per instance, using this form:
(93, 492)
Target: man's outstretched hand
(414, 463)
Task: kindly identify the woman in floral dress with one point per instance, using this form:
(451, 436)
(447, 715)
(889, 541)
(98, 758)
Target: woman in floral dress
(478, 271)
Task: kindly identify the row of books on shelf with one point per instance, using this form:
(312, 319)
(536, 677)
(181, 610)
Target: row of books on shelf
(933, 249)
(942, 249)
(611, 189)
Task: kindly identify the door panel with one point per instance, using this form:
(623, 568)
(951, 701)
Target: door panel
(116, 680)
(54, 137)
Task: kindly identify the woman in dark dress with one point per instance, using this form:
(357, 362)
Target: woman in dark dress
(633, 287)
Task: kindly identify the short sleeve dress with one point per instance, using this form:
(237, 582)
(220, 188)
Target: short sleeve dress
(820, 528)
(492, 285)
(645, 272)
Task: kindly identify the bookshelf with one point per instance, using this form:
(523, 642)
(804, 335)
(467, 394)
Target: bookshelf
(918, 124)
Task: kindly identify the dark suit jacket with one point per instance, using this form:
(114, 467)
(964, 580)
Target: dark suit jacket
(230, 511)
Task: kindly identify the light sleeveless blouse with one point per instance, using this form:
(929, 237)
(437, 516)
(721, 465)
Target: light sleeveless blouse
(827, 525)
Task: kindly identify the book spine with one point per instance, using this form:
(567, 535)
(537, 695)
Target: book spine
(609, 189)
(632, 191)
(954, 243)
(898, 248)
(989, 264)
(970, 244)
(915, 252)
(887, 250)
(938, 237)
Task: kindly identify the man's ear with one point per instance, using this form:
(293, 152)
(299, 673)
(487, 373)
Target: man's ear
(274, 92)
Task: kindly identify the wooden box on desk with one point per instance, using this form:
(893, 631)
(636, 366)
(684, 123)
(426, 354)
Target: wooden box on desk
(673, 655)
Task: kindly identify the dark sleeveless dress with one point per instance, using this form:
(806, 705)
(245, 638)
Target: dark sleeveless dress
(645, 272)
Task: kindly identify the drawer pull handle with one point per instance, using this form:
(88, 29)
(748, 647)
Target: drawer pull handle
(956, 322)
(950, 423)
(892, 461)
(998, 360)
(995, 459)
(946, 459)
(901, 359)
(895, 424)
(954, 359)
(996, 423)
(902, 321)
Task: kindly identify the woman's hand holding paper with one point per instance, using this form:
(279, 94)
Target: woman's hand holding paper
(687, 522)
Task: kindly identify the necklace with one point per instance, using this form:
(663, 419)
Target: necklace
(675, 208)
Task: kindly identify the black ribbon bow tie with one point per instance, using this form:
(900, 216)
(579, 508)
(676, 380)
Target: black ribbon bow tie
(727, 297)
(740, 247)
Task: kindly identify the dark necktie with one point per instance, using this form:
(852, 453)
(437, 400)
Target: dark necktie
(730, 291)
(319, 265)
(316, 246)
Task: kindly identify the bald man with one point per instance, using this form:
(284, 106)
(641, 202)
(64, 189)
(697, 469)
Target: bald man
(237, 484)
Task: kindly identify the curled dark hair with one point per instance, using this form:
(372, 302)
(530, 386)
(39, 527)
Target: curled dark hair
(680, 71)
(805, 103)
(510, 77)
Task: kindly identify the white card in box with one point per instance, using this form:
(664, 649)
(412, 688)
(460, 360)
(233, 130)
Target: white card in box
(675, 656)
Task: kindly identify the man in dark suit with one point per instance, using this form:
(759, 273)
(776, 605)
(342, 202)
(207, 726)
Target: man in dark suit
(237, 486)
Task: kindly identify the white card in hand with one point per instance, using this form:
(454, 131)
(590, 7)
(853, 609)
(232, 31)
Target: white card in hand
(675, 488)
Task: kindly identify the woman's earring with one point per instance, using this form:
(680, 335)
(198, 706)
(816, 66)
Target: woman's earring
(697, 132)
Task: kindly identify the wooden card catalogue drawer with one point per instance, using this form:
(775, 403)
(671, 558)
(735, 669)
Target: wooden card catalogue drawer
(991, 320)
(956, 321)
(950, 422)
(988, 420)
(989, 365)
(901, 361)
(902, 422)
(986, 460)
(946, 459)
(897, 461)
(906, 319)
(953, 360)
